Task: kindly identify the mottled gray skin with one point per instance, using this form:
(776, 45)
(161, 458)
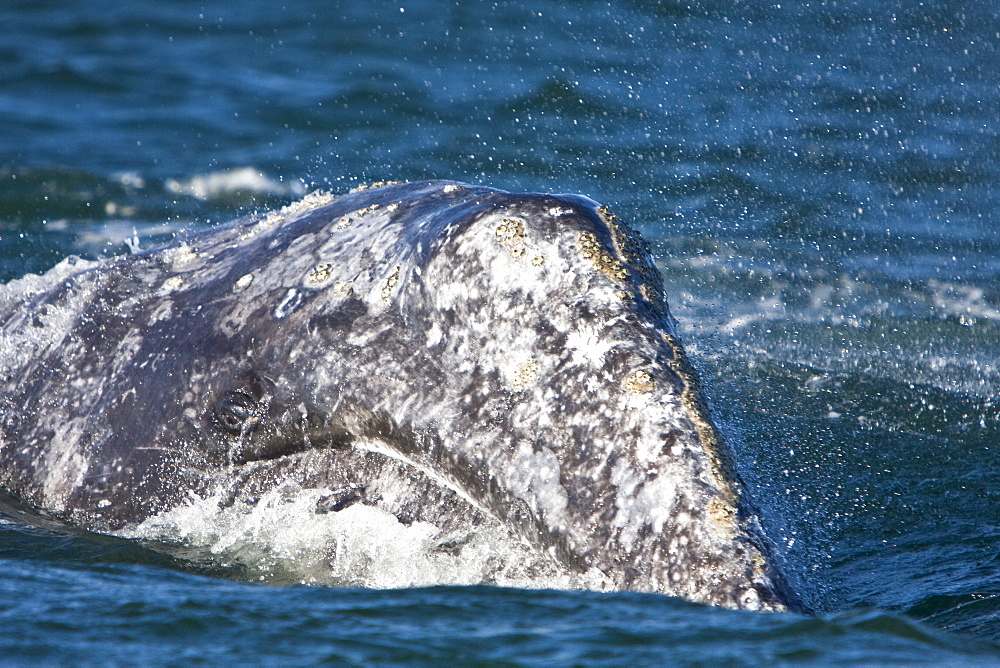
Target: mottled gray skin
(451, 354)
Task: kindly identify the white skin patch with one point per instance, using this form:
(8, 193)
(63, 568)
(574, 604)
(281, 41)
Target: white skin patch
(589, 347)
(535, 478)
(172, 284)
(162, 312)
(66, 467)
(291, 301)
(434, 335)
(127, 350)
(243, 283)
(641, 504)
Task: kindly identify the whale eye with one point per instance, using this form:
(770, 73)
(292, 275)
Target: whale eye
(234, 410)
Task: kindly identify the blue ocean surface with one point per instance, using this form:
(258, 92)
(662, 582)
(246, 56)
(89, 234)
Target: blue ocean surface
(817, 179)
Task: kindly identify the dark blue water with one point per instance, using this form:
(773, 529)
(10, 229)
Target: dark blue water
(818, 182)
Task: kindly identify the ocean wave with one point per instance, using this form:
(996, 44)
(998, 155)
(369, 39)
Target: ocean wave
(243, 179)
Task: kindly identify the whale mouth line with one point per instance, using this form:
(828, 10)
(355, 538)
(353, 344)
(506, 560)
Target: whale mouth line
(375, 438)
(377, 447)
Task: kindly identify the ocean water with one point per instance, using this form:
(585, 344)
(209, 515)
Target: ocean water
(816, 177)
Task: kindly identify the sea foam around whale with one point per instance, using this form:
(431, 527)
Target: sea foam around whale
(282, 539)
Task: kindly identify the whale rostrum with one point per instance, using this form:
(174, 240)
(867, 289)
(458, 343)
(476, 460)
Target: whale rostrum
(449, 354)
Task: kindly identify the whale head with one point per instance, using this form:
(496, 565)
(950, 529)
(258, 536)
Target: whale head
(449, 354)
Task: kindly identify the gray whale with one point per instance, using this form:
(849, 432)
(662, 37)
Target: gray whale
(451, 354)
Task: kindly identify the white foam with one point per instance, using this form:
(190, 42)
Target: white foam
(968, 303)
(283, 540)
